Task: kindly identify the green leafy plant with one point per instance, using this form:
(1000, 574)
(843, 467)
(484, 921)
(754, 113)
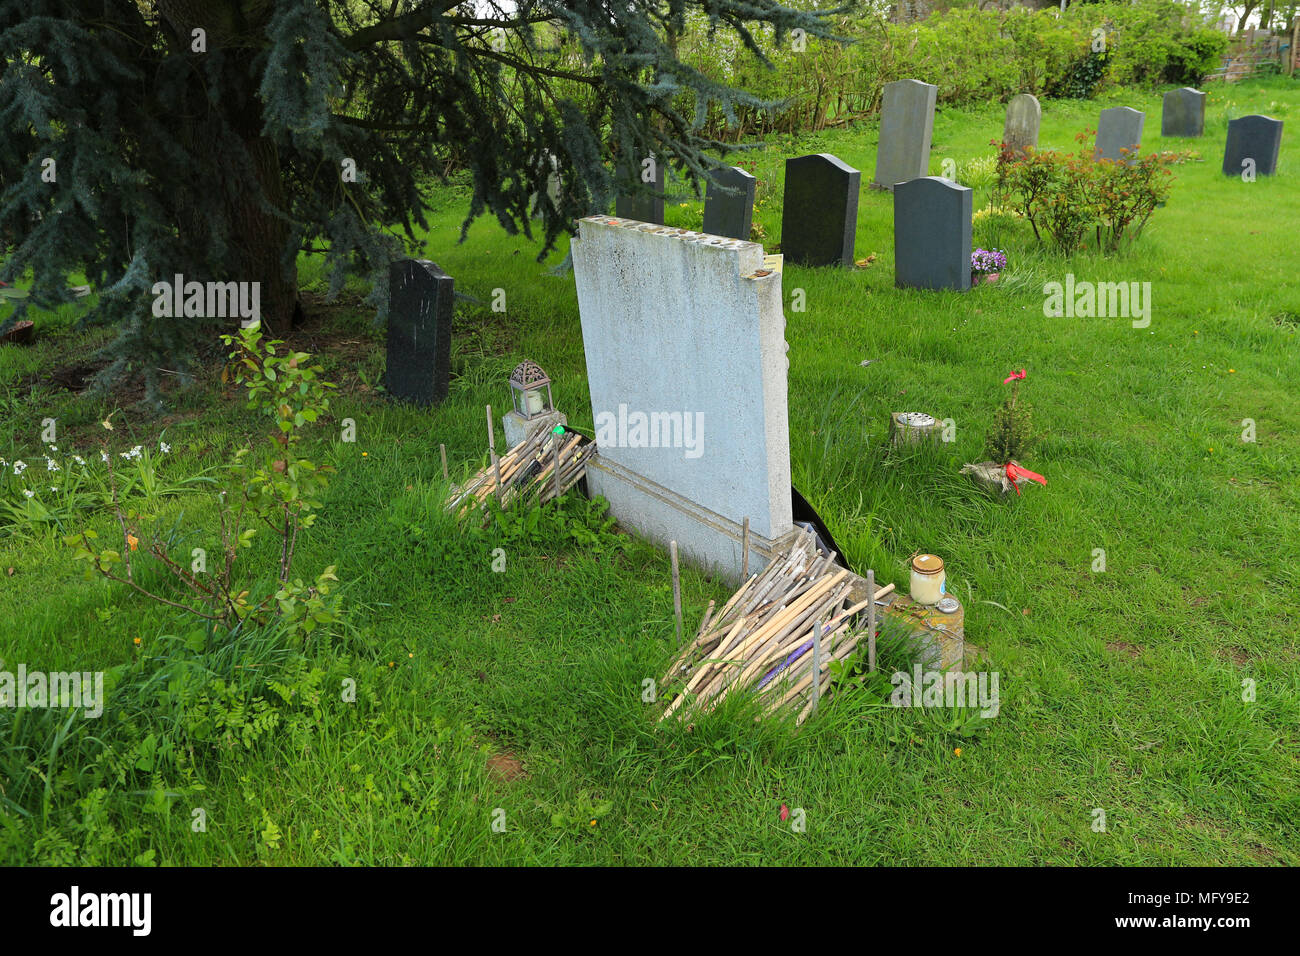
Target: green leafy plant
(1066, 197)
(277, 488)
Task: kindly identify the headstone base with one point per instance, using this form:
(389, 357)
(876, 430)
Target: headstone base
(520, 429)
(704, 537)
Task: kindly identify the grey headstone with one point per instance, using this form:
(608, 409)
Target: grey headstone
(1119, 128)
(819, 217)
(1252, 137)
(1182, 113)
(419, 331)
(547, 163)
(1024, 115)
(641, 206)
(906, 122)
(729, 214)
(932, 234)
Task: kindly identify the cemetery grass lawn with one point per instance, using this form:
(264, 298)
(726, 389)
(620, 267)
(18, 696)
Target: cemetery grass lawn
(1121, 690)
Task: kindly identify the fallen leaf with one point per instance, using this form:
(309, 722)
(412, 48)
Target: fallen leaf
(785, 811)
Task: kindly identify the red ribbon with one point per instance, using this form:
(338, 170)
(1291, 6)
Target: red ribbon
(1016, 474)
(1013, 376)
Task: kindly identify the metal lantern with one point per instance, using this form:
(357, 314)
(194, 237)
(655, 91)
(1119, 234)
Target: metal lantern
(526, 383)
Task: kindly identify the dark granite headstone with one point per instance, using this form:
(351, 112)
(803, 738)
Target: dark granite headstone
(932, 234)
(906, 122)
(1252, 137)
(819, 217)
(419, 331)
(641, 206)
(729, 214)
(1118, 129)
(1024, 115)
(1182, 113)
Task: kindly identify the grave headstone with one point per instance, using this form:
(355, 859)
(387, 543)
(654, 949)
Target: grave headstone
(641, 206)
(932, 234)
(684, 335)
(729, 214)
(819, 217)
(1119, 128)
(1182, 113)
(906, 122)
(419, 331)
(1024, 115)
(1253, 144)
(550, 165)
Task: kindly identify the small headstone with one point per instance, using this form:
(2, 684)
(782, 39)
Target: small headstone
(1118, 129)
(729, 214)
(419, 331)
(906, 122)
(1182, 113)
(1252, 138)
(819, 217)
(1024, 115)
(932, 234)
(641, 206)
(551, 166)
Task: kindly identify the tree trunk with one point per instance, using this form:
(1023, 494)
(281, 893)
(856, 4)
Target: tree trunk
(259, 238)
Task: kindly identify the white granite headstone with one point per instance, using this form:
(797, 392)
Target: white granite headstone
(684, 335)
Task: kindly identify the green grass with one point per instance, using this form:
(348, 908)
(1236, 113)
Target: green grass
(1120, 690)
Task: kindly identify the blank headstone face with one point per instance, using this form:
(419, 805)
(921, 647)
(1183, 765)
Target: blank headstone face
(1118, 129)
(1024, 115)
(683, 323)
(419, 331)
(906, 122)
(932, 234)
(1252, 138)
(1183, 113)
(729, 214)
(820, 215)
(642, 207)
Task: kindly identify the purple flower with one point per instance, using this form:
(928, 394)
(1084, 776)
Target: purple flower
(988, 260)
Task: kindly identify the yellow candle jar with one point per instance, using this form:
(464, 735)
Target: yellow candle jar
(927, 579)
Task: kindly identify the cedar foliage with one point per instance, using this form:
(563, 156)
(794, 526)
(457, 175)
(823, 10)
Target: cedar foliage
(221, 160)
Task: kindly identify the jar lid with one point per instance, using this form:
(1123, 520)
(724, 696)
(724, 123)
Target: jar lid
(927, 563)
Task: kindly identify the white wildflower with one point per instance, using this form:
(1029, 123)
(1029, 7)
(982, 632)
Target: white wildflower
(29, 493)
(51, 465)
(164, 447)
(19, 467)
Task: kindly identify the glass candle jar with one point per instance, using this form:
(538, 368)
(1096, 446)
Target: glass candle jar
(927, 579)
